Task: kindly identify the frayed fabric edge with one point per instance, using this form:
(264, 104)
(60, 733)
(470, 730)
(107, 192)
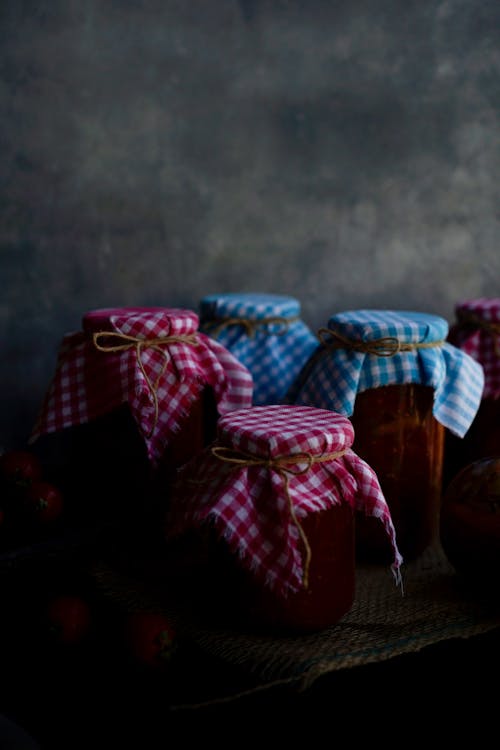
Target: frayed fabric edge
(398, 577)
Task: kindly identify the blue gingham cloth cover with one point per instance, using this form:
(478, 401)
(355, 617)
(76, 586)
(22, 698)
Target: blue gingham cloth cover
(274, 353)
(332, 377)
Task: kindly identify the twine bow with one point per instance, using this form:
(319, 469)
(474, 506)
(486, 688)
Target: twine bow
(250, 325)
(283, 465)
(387, 346)
(132, 342)
(469, 320)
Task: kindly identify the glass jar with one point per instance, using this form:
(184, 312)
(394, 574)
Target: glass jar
(275, 496)
(398, 435)
(476, 331)
(330, 534)
(393, 373)
(265, 333)
(135, 394)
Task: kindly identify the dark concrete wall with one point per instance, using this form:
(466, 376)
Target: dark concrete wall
(153, 151)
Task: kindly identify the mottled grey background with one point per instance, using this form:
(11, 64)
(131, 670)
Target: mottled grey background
(153, 151)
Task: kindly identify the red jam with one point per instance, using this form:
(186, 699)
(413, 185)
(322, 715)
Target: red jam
(330, 592)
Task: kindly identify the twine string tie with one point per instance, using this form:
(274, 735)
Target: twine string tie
(112, 342)
(387, 346)
(250, 325)
(285, 466)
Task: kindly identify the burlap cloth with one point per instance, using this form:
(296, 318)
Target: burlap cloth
(437, 605)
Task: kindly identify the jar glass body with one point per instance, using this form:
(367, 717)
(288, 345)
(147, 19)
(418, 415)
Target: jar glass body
(328, 597)
(398, 436)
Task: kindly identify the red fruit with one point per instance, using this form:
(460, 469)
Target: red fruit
(470, 521)
(69, 618)
(150, 638)
(22, 467)
(44, 502)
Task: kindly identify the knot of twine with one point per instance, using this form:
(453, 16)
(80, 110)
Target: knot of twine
(387, 346)
(219, 324)
(121, 342)
(469, 320)
(285, 466)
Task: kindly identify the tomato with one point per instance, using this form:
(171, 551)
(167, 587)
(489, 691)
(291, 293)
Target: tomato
(44, 502)
(69, 618)
(21, 467)
(150, 639)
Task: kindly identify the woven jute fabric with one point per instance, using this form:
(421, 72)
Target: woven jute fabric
(383, 623)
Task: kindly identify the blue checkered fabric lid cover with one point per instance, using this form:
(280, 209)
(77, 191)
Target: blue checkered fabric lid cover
(333, 376)
(273, 351)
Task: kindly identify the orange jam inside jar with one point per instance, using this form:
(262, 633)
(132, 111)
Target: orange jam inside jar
(477, 332)
(393, 373)
(273, 502)
(398, 435)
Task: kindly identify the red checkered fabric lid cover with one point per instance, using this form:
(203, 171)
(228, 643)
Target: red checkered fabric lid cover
(247, 503)
(168, 371)
(477, 333)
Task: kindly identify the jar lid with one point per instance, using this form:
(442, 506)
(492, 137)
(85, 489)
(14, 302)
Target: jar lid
(364, 349)
(280, 430)
(477, 333)
(485, 308)
(248, 305)
(158, 321)
(408, 327)
(154, 360)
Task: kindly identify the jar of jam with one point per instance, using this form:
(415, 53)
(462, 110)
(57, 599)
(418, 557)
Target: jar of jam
(277, 491)
(398, 435)
(476, 331)
(135, 394)
(265, 333)
(401, 384)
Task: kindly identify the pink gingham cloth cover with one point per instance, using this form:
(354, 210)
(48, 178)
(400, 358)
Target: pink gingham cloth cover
(248, 506)
(89, 383)
(478, 341)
